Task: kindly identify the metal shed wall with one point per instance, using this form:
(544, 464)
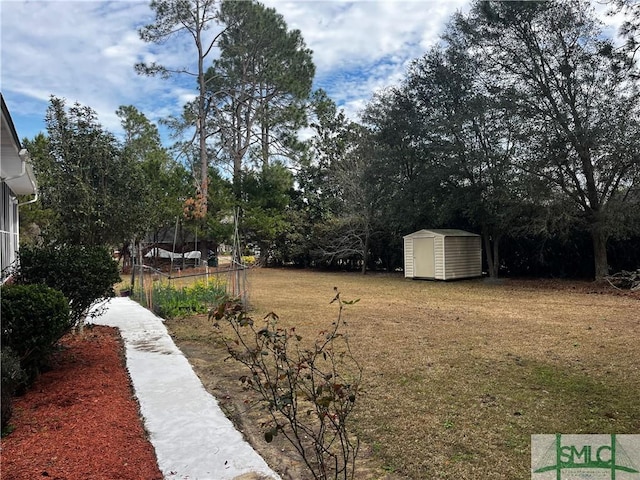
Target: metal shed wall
(456, 254)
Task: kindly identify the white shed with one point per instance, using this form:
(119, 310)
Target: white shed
(443, 254)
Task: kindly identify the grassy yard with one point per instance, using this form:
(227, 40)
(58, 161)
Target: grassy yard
(457, 376)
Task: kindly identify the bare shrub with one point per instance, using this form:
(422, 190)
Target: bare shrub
(309, 389)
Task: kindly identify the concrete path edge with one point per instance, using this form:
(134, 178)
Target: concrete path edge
(192, 437)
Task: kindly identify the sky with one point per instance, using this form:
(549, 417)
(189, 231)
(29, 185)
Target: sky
(85, 51)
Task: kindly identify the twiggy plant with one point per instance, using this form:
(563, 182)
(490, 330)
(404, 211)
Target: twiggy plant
(308, 389)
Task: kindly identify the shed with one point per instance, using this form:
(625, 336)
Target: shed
(442, 254)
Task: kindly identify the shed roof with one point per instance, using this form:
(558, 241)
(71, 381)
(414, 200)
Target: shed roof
(441, 232)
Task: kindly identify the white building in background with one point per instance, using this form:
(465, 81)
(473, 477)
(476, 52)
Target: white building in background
(16, 178)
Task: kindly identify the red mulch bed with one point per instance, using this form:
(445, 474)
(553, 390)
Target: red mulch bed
(80, 420)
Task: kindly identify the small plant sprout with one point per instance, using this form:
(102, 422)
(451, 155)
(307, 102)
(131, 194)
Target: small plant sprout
(308, 388)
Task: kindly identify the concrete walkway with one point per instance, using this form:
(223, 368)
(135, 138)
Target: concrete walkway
(192, 437)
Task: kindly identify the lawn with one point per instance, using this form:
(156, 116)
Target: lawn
(457, 375)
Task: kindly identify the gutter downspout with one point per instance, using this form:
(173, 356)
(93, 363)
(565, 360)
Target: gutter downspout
(33, 200)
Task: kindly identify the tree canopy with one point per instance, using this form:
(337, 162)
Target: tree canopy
(85, 181)
(580, 112)
(258, 87)
(522, 124)
(96, 189)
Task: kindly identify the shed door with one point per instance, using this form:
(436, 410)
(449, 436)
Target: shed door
(423, 258)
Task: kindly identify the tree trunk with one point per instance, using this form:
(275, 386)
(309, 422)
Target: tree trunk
(365, 255)
(204, 252)
(237, 156)
(133, 268)
(496, 256)
(202, 136)
(599, 237)
(491, 250)
(265, 138)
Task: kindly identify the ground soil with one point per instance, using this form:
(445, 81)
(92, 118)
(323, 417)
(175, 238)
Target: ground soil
(457, 375)
(80, 420)
(220, 376)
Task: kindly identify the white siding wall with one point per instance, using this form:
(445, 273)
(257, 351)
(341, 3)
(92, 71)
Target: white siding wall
(456, 254)
(438, 246)
(408, 257)
(8, 229)
(463, 257)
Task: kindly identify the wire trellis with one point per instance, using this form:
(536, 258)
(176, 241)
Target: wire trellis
(236, 272)
(237, 284)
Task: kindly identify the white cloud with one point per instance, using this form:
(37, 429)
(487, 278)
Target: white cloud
(82, 51)
(85, 51)
(360, 47)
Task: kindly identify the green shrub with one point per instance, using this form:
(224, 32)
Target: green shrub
(85, 275)
(169, 302)
(12, 376)
(34, 318)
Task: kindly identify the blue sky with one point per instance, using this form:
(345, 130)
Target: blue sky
(84, 51)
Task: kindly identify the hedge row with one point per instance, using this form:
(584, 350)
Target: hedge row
(53, 290)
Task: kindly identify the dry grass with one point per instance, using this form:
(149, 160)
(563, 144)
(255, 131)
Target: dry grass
(457, 376)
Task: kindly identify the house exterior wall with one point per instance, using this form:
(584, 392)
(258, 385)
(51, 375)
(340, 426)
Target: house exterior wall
(9, 239)
(16, 178)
